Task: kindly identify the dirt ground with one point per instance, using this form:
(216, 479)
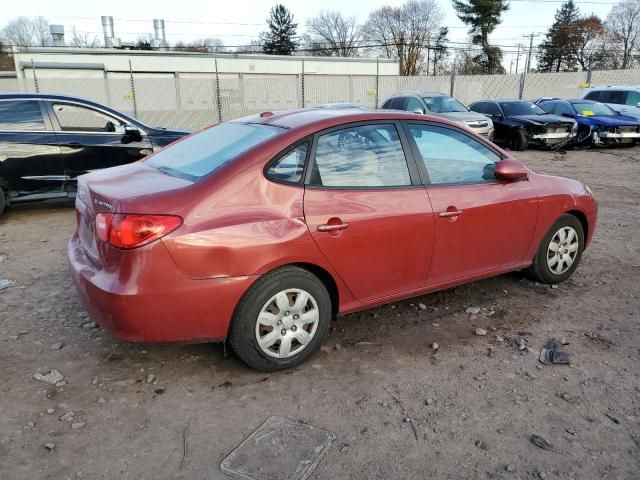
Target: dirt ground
(474, 403)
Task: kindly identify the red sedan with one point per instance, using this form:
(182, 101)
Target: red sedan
(261, 229)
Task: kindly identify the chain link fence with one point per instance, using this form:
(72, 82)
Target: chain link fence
(194, 100)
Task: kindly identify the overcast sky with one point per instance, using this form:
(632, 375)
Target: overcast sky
(237, 22)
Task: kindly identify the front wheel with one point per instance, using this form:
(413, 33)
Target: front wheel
(559, 252)
(282, 319)
(519, 141)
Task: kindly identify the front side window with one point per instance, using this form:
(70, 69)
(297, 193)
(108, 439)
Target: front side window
(22, 115)
(83, 119)
(633, 98)
(414, 105)
(617, 97)
(453, 157)
(557, 108)
(205, 152)
(362, 156)
(289, 167)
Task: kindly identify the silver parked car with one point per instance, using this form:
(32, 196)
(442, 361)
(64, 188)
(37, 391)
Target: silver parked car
(443, 106)
(623, 99)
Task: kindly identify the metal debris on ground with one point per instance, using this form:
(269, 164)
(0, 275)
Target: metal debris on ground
(552, 352)
(279, 448)
(51, 377)
(6, 283)
(542, 443)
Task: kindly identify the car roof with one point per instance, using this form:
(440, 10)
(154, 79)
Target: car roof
(327, 117)
(614, 87)
(420, 94)
(44, 96)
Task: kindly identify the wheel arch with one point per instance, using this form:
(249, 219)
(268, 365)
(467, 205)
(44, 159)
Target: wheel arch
(583, 221)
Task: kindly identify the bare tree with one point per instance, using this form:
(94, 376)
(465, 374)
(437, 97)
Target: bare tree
(623, 25)
(27, 31)
(254, 46)
(331, 34)
(404, 32)
(83, 39)
(588, 32)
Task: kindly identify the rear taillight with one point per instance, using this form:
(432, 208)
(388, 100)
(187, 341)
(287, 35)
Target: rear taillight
(132, 230)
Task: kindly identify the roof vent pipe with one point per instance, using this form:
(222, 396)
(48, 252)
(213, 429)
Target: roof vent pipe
(57, 33)
(107, 29)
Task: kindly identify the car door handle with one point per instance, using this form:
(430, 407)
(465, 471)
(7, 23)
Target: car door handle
(73, 145)
(451, 213)
(332, 228)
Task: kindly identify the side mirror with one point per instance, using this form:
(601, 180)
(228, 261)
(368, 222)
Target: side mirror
(131, 134)
(510, 170)
(419, 111)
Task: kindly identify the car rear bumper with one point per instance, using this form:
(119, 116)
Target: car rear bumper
(155, 303)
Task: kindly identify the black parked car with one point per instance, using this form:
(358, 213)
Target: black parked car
(519, 123)
(46, 141)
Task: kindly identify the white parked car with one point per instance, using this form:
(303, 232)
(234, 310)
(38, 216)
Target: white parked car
(623, 99)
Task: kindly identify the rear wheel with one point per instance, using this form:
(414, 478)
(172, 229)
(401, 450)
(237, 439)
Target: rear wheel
(281, 320)
(519, 140)
(560, 251)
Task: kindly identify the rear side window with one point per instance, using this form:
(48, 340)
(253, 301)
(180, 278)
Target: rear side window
(612, 96)
(362, 156)
(594, 96)
(22, 115)
(205, 152)
(289, 167)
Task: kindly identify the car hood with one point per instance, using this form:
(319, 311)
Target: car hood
(610, 121)
(165, 132)
(540, 119)
(461, 116)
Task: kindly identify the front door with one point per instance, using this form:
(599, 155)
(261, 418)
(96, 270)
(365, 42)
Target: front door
(91, 139)
(30, 163)
(366, 212)
(482, 224)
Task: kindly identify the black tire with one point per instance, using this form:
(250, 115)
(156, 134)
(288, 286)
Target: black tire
(540, 270)
(519, 141)
(3, 201)
(242, 334)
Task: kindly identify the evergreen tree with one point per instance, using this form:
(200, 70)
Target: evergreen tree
(280, 39)
(483, 16)
(558, 50)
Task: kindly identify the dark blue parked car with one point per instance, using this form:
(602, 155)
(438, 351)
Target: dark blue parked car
(598, 124)
(46, 141)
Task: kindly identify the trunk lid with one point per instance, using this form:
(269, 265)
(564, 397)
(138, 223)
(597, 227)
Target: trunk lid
(105, 191)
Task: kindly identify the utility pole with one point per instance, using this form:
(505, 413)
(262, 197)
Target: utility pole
(428, 53)
(518, 58)
(531, 36)
(401, 53)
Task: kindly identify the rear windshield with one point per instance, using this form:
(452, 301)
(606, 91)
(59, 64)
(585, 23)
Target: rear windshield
(205, 152)
(520, 108)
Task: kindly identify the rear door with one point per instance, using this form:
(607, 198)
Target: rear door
(92, 139)
(367, 211)
(31, 167)
(482, 224)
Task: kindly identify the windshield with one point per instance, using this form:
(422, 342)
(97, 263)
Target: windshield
(205, 152)
(442, 104)
(521, 108)
(594, 109)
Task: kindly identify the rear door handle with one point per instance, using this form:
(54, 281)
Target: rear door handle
(332, 228)
(451, 213)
